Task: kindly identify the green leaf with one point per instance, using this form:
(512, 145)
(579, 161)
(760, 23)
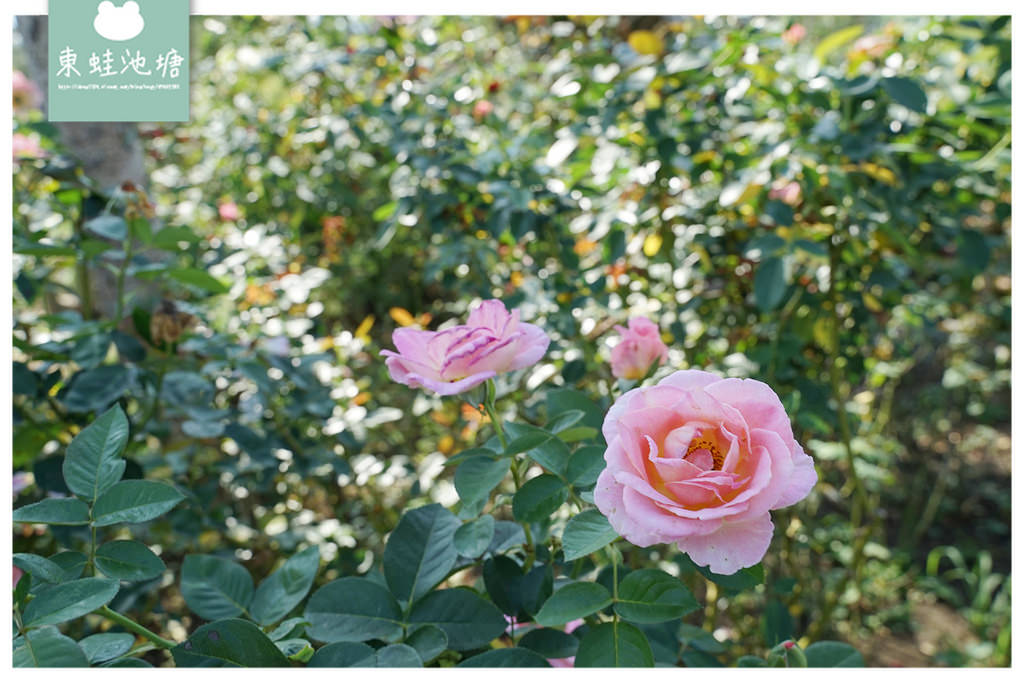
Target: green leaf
(467, 619)
(907, 92)
(585, 465)
(285, 588)
(541, 446)
(342, 655)
(106, 225)
(538, 498)
(420, 551)
(228, 642)
(54, 511)
(353, 609)
(585, 533)
(214, 587)
(128, 561)
(551, 643)
(742, 580)
(429, 641)
(67, 601)
(615, 644)
(134, 501)
(170, 236)
(71, 562)
(562, 400)
(473, 537)
(93, 463)
(834, 41)
(398, 656)
(770, 283)
(517, 594)
(39, 567)
(127, 663)
(573, 601)
(776, 623)
(477, 476)
(101, 647)
(198, 278)
(831, 653)
(973, 250)
(649, 596)
(506, 657)
(47, 647)
(289, 628)
(93, 390)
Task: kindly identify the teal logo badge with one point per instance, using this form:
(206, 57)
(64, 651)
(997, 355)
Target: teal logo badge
(118, 60)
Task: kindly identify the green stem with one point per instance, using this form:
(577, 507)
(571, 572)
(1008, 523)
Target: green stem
(136, 628)
(82, 269)
(119, 311)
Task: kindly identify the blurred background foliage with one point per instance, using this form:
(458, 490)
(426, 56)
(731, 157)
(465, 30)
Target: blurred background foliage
(820, 203)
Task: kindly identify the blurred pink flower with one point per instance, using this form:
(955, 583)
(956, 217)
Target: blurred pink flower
(786, 192)
(871, 46)
(26, 93)
(26, 147)
(700, 461)
(229, 211)
(638, 348)
(21, 480)
(482, 108)
(17, 576)
(459, 358)
(567, 662)
(794, 34)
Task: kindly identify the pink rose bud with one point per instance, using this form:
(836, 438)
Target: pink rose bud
(228, 211)
(459, 358)
(700, 461)
(482, 108)
(639, 347)
(794, 34)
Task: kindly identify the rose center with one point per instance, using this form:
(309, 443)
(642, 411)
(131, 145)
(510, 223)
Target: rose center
(704, 453)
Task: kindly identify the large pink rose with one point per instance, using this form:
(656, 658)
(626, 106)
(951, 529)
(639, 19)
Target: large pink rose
(699, 461)
(459, 358)
(638, 348)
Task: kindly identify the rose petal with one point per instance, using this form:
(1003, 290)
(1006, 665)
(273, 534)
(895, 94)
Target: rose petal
(733, 546)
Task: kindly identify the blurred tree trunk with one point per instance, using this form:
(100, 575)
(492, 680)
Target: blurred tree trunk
(110, 153)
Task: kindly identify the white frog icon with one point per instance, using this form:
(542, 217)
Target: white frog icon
(118, 23)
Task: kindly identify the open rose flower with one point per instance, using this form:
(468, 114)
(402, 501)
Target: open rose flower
(638, 348)
(699, 461)
(459, 358)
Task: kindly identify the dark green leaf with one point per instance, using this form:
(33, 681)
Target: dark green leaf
(94, 390)
(907, 92)
(585, 533)
(341, 655)
(585, 465)
(47, 647)
(111, 227)
(649, 596)
(134, 501)
(615, 644)
(286, 587)
(55, 511)
(477, 476)
(353, 609)
(538, 498)
(67, 601)
(228, 642)
(541, 446)
(550, 642)
(770, 283)
(198, 278)
(128, 561)
(506, 657)
(398, 656)
(515, 593)
(104, 646)
(573, 601)
(776, 623)
(473, 537)
(93, 463)
(429, 641)
(830, 653)
(39, 567)
(467, 619)
(215, 588)
(420, 551)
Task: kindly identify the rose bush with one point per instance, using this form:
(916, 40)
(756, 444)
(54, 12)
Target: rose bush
(458, 358)
(700, 461)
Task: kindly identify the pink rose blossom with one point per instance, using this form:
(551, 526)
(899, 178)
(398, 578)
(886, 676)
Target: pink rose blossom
(699, 461)
(794, 34)
(229, 211)
(639, 347)
(25, 147)
(567, 662)
(786, 192)
(459, 358)
(26, 93)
